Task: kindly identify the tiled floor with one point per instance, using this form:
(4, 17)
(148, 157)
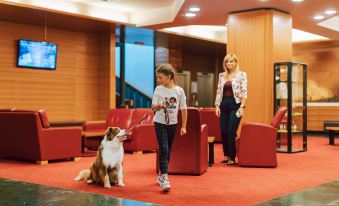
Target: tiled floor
(326, 194)
(14, 193)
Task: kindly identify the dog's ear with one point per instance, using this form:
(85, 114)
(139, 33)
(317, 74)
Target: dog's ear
(115, 130)
(109, 131)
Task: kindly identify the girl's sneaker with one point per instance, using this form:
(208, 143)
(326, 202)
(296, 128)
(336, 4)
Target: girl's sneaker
(164, 183)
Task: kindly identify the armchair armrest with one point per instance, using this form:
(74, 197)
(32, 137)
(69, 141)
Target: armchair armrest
(204, 130)
(257, 131)
(100, 125)
(60, 142)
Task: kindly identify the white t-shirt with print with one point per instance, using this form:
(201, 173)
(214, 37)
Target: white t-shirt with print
(174, 99)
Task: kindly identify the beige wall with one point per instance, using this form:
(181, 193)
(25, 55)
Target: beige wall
(322, 59)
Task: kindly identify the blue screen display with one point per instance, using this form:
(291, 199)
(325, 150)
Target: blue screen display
(37, 54)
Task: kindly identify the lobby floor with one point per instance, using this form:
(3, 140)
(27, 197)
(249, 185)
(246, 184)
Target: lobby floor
(220, 185)
(16, 193)
(326, 194)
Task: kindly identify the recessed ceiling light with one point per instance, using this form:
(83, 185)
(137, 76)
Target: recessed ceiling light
(318, 17)
(194, 9)
(329, 12)
(190, 15)
(297, 0)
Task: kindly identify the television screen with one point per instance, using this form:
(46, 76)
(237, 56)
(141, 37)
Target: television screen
(37, 54)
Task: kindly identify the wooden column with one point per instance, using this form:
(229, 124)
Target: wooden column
(106, 88)
(259, 38)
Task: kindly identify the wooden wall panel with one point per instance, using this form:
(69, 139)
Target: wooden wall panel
(68, 93)
(316, 115)
(175, 58)
(106, 86)
(252, 37)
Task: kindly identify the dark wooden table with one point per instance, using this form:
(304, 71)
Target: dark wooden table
(332, 127)
(211, 151)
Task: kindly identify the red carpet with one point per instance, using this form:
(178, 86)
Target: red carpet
(220, 185)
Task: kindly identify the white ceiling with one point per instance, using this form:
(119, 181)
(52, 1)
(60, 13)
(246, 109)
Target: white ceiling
(160, 14)
(219, 33)
(128, 5)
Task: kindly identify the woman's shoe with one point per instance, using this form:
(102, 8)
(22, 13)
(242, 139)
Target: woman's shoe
(230, 162)
(224, 161)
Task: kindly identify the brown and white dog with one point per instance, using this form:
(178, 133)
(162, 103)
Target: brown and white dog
(107, 167)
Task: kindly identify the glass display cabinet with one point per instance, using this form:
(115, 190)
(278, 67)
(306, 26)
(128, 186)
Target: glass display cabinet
(290, 90)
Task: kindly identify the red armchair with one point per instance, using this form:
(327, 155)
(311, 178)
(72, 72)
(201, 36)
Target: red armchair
(142, 138)
(189, 153)
(209, 118)
(115, 118)
(257, 143)
(26, 135)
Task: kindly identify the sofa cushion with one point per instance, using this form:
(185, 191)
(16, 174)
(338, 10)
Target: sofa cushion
(44, 119)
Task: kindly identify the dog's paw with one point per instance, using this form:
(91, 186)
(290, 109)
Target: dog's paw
(89, 181)
(78, 178)
(107, 186)
(121, 184)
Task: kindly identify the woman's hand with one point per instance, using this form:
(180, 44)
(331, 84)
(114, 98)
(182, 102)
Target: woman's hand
(183, 131)
(217, 111)
(241, 111)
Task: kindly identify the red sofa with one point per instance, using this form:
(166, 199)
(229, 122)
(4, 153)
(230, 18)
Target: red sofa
(209, 118)
(257, 143)
(26, 134)
(142, 138)
(189, 153)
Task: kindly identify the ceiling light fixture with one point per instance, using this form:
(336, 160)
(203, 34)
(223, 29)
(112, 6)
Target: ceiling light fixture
(318, 17)
(194, 9)
(297, 0)
(190, 14)
(329, 12)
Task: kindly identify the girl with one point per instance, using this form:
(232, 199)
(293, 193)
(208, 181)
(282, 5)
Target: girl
(168, 98)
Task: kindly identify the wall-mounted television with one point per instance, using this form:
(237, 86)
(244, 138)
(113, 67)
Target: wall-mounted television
(35, 54)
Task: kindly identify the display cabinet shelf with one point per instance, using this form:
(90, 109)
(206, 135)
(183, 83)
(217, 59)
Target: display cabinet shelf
(290, 81)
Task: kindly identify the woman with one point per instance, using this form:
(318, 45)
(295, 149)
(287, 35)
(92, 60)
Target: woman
(168, 98)
(230, 103)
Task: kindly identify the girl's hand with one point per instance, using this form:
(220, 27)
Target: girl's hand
(217, 111)
(157, 107)
(182, 131)
(162, 106)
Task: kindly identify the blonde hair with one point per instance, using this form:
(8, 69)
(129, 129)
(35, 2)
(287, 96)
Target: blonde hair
(227, 57)
(167, 70)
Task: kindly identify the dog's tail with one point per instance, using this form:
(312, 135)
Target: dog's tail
(83, 175)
